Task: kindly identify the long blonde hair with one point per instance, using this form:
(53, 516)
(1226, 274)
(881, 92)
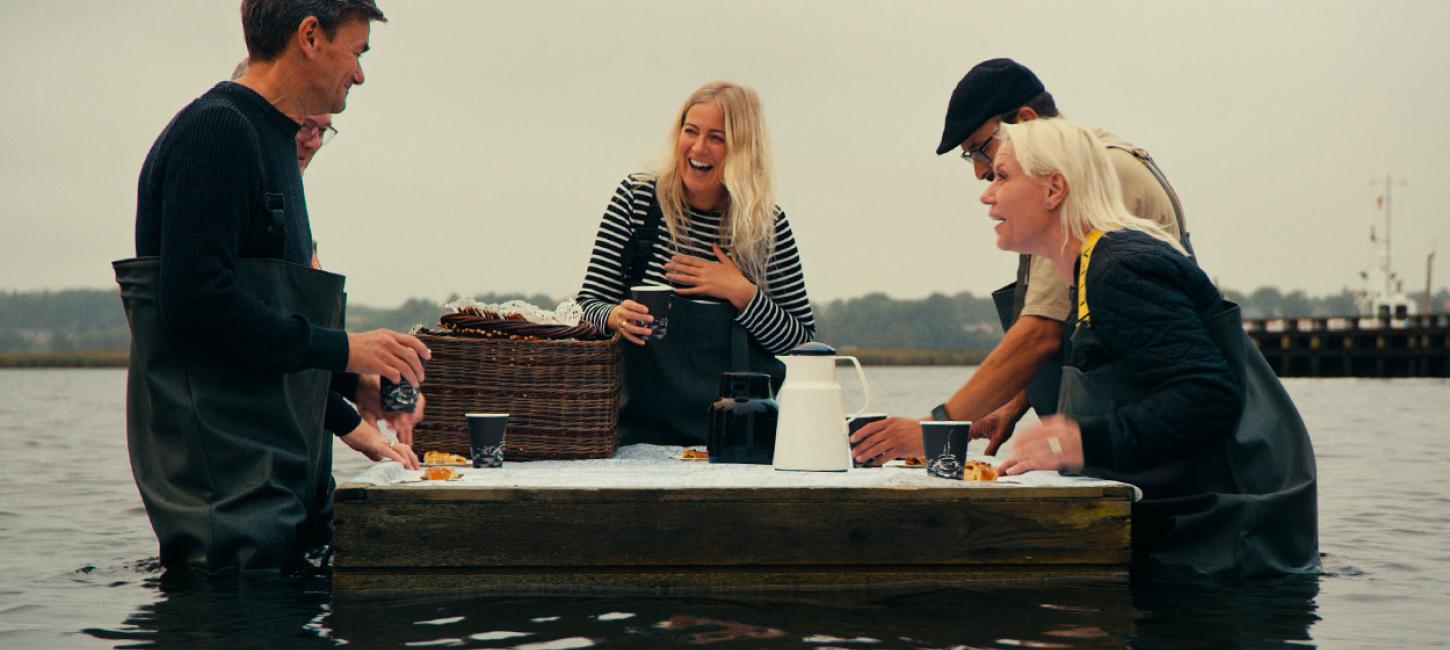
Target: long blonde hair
(1094, 194)
(748, 225)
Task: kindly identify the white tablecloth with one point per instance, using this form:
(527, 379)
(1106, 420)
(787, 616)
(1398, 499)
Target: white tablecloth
(653, 467)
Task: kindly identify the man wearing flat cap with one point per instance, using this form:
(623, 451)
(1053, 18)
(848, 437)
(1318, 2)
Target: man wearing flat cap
(1025, 368)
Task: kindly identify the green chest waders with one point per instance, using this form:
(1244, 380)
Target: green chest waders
(232, 463)
(1245, 505)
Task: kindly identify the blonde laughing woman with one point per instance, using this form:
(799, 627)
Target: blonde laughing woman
(706, 224)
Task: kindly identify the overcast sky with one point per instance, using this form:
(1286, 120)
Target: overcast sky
(485, 143)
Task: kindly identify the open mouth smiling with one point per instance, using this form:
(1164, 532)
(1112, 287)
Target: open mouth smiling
(700, 166)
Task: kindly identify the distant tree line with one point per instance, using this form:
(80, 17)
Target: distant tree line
(92, 319)
(938, 322)
(62, 321)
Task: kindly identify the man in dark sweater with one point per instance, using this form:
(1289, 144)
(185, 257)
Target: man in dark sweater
(315, 130)
(234, 337)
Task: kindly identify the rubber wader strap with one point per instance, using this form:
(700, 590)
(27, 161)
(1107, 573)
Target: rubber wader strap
(1019, 297)
(1147, 159)
(739, 348)
(1088, 243)
(636, 256)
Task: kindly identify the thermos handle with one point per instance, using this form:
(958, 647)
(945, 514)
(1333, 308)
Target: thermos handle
(865, 388)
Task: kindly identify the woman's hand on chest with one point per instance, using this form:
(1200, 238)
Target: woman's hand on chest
(719, 278)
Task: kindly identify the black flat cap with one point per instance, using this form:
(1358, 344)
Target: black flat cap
(990, 88)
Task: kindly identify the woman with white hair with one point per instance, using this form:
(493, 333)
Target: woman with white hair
(1161, 388)
(706, 224)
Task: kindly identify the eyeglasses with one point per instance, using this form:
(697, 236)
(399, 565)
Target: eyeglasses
(979, 152)
(328, 132)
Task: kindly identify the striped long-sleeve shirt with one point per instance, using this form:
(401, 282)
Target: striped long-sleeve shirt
(778, 317)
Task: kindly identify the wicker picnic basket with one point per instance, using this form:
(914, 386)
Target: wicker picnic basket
(561, 394)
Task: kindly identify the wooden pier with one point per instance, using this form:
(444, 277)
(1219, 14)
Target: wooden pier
(661, 539)
(1414, 346)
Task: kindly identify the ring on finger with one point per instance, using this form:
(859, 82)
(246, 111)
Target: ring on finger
(1055, 445)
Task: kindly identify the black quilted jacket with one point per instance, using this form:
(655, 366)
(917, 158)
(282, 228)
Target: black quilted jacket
(1147, 302)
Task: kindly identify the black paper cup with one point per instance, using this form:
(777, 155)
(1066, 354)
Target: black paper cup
(853, 425)
(945, 443)
(655, 298)
(401, 397)
(485, 438)
(398, 398)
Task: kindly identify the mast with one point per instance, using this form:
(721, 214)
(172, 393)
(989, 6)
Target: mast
(1389, 277)
(1371, 302)
(1429, 264)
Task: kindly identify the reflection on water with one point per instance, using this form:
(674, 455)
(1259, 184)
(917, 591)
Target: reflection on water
(256, 612)
(1080, 615)
(78, 566)
(1177, 613)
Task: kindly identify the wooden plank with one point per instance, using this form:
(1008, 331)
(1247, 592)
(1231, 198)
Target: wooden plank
(655, 529)
(735, 580)
(415, 493)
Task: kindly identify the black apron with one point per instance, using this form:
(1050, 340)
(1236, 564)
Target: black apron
(233, 464)
(1246, 505)
(669, 384)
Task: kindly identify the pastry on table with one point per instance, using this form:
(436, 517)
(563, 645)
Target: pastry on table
(443, 458)
(976, 470)
(440, 474)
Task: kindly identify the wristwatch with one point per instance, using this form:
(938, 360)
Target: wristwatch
(939, 413)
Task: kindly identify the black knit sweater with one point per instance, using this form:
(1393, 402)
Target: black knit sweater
(1148, 303)
(206, 195)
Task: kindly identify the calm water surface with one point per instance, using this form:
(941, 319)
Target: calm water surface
(77, 557)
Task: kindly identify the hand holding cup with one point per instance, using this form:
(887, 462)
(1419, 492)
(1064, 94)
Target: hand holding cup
(856, 424)
(656, 300)
(630, 319)
(394, 355)
(894, 437)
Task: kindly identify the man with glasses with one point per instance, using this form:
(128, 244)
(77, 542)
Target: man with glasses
(317, 130)
(1024, 368)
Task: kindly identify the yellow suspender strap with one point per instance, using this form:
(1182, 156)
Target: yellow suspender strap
(1088, 243)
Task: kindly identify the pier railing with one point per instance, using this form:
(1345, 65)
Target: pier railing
(1355, 346)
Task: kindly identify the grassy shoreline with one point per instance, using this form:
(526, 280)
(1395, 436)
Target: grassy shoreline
(868, 356)
(915, 356)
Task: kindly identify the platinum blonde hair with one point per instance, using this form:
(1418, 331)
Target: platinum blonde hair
(748, 224)
(1094, 198)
